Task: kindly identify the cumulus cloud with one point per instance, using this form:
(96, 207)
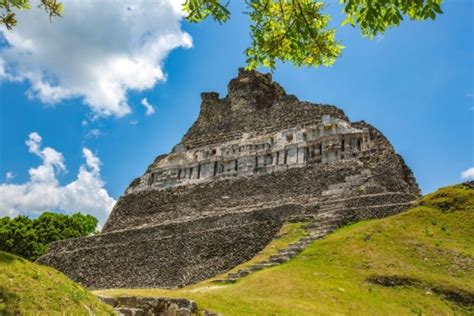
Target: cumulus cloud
(468, 174)
(97, 51)
(149, 108)
(43, 191)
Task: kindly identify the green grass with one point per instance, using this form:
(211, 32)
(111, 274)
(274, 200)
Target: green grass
(27, 288)
(428, 251)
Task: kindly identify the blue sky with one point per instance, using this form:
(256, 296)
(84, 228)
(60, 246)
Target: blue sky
(415, 84)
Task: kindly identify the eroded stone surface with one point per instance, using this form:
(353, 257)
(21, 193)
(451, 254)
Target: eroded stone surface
(253, 160)
(151, 306)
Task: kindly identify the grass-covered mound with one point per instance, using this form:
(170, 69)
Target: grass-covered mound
(418, 262)
(27, 288)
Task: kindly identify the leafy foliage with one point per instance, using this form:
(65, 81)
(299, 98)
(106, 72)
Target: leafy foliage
(199, 10)
(375, 16)
(295, 31)
(288, 30)
(52, 7)
(29, 238)
(298, 31)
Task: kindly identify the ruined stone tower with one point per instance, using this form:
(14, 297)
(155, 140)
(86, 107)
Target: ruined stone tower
(253, 160)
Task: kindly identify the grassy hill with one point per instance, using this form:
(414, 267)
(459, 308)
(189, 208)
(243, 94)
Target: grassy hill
(27, 288)
(419, 262)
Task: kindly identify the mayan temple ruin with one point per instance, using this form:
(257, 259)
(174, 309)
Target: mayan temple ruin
(253, 160)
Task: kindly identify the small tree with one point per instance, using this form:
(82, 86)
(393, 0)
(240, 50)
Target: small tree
(29, 238)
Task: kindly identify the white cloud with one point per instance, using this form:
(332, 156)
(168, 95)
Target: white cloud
(149, 108)
(9, 176)
(43, 191)
(97, 51)
(94, 133)
(92, 161)
(468, 174)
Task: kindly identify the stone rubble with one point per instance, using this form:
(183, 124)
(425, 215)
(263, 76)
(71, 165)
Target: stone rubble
(150, 306)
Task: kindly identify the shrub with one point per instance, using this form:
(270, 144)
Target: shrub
(29, 238)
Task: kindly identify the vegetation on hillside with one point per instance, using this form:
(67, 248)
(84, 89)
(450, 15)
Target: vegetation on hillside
(29, 238)
(418, 262)
(27, 288)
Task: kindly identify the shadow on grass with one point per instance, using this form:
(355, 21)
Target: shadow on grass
(455, 295)
(8, 258)
(8, 302)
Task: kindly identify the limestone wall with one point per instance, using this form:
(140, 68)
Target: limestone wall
(329, 140)
(169, 255)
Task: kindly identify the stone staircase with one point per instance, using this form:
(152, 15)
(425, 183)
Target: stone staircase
(329, 217)
(282, 256)
(331, 214)
(327, 220)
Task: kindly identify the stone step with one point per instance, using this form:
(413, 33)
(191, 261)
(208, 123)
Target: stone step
(328, 202)
(334, 211)
(278, 258)
(231, 280)
(257, 267)
(297, 247)
(295, 244)
(288, 252)
(321, 232)
(329, 221)
(306, 239)
(325, 226)
(128, 311)
(327, 217)
(220, 281)
(292, 252)
(109, 300)
(211, 313)
(300, 218)
(329, 209)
